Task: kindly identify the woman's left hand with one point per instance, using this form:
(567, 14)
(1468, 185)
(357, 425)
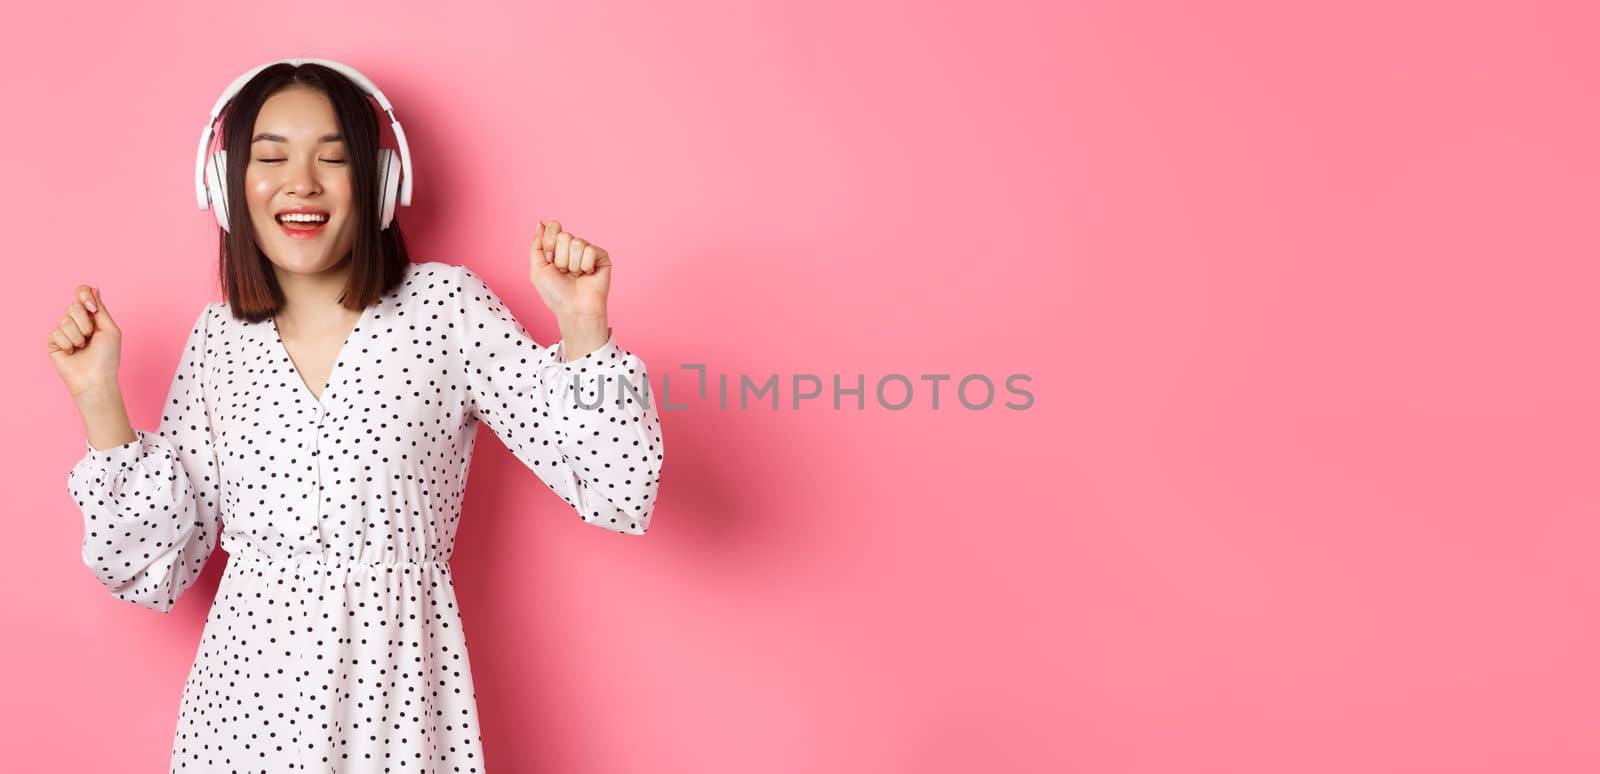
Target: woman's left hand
(572, 274)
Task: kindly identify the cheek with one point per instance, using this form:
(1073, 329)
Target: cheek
(258, 192)
(337, 187)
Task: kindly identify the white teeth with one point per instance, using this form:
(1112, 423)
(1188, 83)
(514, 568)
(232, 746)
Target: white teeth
(304, 218)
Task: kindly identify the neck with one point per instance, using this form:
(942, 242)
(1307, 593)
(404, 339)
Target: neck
(311, 300)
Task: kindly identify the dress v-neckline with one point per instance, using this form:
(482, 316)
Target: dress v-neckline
(338, 359)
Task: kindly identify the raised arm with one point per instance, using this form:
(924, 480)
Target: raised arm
(151, 506)
(602, 457)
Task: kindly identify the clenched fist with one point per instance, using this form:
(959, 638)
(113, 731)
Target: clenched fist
(572, 274)
(86, 345)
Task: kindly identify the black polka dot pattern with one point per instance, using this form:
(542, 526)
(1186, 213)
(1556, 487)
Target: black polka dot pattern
(334, 643)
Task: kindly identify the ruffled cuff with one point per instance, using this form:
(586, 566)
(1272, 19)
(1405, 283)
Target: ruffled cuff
(558, 376)
(557, 355)
(603, 375)
(100, 461)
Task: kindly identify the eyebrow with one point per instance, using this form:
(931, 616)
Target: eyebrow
(270, 137)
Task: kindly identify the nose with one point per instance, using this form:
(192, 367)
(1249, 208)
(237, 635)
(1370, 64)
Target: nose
(301, 180)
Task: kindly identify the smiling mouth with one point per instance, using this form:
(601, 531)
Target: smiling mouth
(300, 222)
(301, 227)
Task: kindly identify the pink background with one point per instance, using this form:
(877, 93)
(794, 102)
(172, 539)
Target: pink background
(1306, 292)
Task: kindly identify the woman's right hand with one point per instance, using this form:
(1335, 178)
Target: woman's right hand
(86, 345)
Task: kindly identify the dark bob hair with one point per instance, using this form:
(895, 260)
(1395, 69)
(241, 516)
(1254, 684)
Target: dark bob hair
(378, 255)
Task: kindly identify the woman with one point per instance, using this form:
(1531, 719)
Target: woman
(322, 421)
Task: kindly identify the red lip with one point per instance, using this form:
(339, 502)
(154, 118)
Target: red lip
(304, 233)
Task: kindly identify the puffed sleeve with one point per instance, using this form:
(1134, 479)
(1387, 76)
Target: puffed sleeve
(601, 453)
(150, 506)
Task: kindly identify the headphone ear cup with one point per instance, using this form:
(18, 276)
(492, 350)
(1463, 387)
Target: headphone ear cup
(389, 172)
(217, 186)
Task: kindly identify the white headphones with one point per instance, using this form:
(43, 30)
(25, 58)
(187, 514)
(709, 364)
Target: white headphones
(210, 176)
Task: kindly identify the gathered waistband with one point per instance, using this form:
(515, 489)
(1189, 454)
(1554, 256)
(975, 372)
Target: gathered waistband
(443, 564)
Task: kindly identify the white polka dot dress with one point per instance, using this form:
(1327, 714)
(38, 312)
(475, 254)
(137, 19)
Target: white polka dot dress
(334, 643)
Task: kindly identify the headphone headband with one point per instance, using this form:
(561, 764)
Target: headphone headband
(349, 72)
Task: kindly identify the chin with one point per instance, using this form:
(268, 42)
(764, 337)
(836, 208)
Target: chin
(298, 261)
